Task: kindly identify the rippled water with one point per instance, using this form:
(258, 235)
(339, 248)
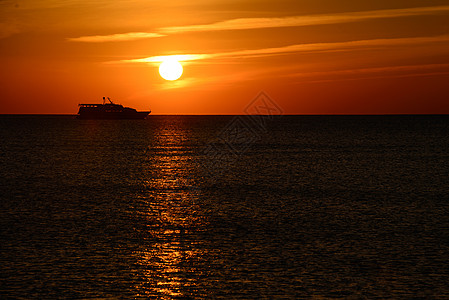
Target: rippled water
(216, 207)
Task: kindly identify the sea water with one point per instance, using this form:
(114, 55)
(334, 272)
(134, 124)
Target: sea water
(224, 207)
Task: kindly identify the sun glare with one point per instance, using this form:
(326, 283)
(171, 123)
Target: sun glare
(170, 69)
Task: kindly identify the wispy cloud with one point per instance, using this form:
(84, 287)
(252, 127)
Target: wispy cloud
(161, 58)
(315, 47)
(380, 76)
(211, 82)
(322, 19)
(392, 70)
(259, 23)
(116, 37)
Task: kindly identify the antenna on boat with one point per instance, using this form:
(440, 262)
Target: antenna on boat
(110, 100)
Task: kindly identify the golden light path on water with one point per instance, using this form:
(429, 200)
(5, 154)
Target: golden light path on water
(172, 218)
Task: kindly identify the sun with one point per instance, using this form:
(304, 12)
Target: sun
(170, 69)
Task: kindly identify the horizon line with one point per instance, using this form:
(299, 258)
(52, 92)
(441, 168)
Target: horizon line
(208, 114)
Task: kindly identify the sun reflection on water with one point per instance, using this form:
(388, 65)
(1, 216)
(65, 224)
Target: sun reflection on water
(172, 218)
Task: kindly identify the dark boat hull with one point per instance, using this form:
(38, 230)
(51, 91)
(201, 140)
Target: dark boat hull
(113, 115)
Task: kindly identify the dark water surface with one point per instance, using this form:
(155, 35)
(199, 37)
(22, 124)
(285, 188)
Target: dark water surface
(216, 207)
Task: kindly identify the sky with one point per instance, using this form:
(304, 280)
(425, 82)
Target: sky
(308, 56)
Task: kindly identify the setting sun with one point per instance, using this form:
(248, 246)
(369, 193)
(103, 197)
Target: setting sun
(170, 69)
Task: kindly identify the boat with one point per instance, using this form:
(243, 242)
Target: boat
(109, 111)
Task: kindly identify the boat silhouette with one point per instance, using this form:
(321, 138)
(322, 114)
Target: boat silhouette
(109, 111)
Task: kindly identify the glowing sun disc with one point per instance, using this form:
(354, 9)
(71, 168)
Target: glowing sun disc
(170, 69)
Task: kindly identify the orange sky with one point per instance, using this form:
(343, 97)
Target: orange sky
(310, 57)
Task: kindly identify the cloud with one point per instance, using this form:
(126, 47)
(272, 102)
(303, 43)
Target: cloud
(315, 47)
(381, 76)
(295, 21)
(259, 23)
(161, 58)
(116, 37)
(408, 69)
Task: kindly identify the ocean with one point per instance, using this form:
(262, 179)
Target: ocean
(230, 207)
